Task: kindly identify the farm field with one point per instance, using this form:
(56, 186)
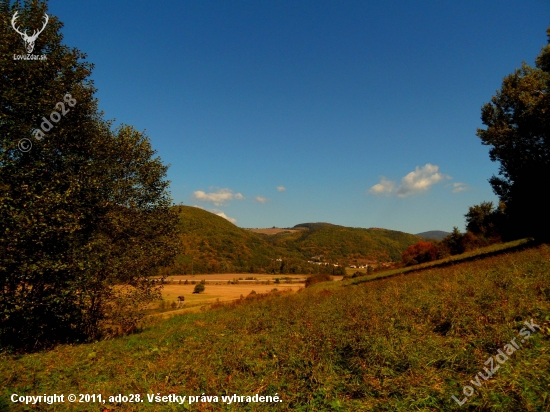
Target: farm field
(274, 231)
(405, 343)
(217, 289)
(214, 292)
(234, 276)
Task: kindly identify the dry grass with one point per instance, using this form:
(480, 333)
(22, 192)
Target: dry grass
(405, 343)
(217, 289)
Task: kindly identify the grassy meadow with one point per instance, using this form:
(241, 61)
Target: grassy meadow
(405, 343)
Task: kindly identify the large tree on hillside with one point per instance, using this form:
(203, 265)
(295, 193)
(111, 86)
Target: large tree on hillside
(518, 131)
(84, 214)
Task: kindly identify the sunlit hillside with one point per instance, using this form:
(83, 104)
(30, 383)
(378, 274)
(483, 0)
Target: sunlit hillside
(406, 343)
(211, 244)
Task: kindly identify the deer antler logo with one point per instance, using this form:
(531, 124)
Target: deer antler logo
(29, 40)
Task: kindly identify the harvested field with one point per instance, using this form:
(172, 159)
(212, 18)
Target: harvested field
(218, 289)
(274, 231)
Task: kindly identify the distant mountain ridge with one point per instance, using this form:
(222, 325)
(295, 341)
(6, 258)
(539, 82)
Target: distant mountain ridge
(434, 234)
(211, 244)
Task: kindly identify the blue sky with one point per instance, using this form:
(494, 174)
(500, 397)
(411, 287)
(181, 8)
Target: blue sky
(274, 113)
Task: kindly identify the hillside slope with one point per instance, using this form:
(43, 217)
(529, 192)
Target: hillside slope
(345, 244)
(400, 344)
(211, 244)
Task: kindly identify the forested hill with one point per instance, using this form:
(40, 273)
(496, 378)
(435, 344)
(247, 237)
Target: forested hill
(335, 243)
(211, 244)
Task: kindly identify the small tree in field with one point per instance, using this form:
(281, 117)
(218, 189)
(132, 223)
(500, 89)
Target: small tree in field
(199, 288)
(324, 277)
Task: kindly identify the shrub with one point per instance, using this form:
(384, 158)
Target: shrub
(199, 288)
(419, 253)
(318, 278)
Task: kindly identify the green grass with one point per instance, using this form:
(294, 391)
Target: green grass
(401, 344)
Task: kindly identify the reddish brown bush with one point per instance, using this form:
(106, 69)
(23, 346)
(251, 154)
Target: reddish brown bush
(419, 253)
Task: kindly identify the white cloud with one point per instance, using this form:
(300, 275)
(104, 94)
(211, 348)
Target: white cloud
(219, 197)
(281, 188)
(222, 214)
(384, 187)
(460, 187)
(218, 213)
(418, 181)
(261, 199)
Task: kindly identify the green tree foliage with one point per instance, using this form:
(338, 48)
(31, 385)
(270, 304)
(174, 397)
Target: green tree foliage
(484, 220)
(419, 253)
(199, 288)
(457, 243)
(453, 242)
(211, 244)
(84, 215)
(518, 131)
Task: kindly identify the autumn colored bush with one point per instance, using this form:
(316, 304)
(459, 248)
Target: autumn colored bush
(419, 253)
